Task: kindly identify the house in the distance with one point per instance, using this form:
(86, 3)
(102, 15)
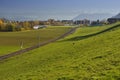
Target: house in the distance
(82, 22)
(114, 18)
(39, 26)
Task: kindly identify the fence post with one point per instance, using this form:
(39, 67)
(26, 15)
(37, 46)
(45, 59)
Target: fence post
(21, 44)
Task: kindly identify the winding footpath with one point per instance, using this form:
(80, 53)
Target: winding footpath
(36, 46)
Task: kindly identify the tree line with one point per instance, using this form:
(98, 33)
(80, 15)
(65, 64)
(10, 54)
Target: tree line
(7, 25)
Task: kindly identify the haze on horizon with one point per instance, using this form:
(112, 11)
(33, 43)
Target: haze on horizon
(57, 9)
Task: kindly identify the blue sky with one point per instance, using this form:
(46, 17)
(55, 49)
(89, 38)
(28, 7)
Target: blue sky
(58, 9)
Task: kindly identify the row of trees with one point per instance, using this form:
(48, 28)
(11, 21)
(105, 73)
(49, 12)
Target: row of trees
(6, 25)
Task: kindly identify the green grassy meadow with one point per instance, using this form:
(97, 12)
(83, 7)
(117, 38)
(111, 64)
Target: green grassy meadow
(75, 57)
(11, 41)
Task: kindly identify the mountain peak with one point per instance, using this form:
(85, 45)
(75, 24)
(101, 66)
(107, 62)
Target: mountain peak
(94, 16)
(117, 16)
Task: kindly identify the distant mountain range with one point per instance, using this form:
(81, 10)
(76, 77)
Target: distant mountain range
(116, 16)
(82, 16)
(95, 16)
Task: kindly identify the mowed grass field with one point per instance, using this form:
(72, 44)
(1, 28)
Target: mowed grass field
(75, 57)
(11, 41)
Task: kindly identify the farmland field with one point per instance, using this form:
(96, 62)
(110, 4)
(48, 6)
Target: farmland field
(11, 41)
(76, 57)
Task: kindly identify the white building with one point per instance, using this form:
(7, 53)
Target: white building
(39, 26)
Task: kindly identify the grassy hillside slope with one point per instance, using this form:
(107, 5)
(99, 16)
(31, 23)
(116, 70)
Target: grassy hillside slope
(94, 57)
(10, 41)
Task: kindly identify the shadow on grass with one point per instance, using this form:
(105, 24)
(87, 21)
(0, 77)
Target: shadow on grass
(91, 35)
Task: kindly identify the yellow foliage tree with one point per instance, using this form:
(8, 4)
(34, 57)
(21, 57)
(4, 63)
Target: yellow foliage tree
(1, 21)
(26, 25)
(1, 25)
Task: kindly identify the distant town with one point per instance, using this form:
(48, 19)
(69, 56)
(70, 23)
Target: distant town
(10, 25)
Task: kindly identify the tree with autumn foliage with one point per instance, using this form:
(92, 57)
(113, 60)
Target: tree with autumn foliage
(10, 27)
(26, 25)
(2, 25)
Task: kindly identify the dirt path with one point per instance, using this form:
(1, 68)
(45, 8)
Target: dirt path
(36, 46)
